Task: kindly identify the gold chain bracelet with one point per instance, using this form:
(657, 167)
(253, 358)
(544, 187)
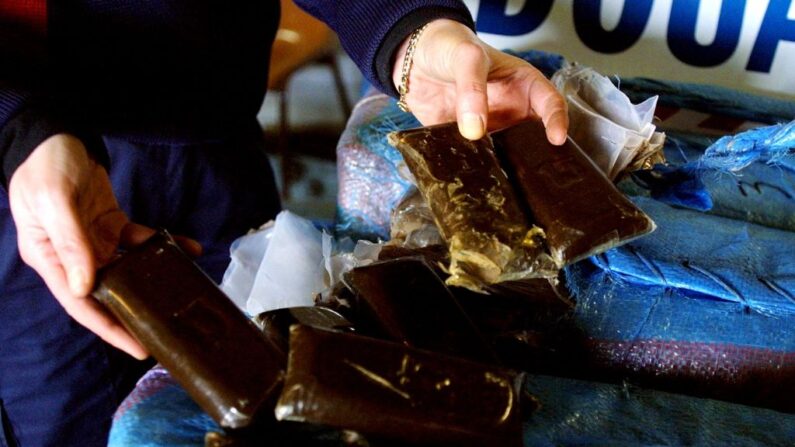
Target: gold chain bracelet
(408, 59)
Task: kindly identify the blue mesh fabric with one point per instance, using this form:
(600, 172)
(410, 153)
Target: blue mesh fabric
(726, 259)
(573, 412)
(369, 182)
(750, 175)
(584, 413)
(159, 413)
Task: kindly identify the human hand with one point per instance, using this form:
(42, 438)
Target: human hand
(455, 76)
(69, 224)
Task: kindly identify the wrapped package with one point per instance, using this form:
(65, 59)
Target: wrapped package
(616, 134)
(194, 330)
(275, 324)
(246, 255)
(474, 206)
(389, 390)
(580, 210)
(406, 301)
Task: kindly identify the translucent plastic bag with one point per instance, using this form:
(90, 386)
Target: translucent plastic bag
(617, 134)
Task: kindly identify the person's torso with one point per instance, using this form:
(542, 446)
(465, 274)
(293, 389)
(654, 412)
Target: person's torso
(136, 65)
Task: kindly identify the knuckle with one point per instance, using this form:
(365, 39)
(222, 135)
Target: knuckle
(477, 87)
(67, 246)
(25, 254)
(557, 105)
(470, 55)
(31, 250)
(470, 52)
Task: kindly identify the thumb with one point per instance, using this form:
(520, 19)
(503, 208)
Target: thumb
(470, 73)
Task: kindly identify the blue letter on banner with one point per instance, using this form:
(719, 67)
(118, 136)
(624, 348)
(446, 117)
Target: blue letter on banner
(492, 18)
(682, 33)
(588, 25)
(775, 27)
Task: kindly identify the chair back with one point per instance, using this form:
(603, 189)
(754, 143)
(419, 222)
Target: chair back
(300, 39)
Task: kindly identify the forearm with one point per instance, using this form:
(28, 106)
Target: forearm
(371, 31)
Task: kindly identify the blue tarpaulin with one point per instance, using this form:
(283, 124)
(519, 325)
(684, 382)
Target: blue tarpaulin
(704, 306)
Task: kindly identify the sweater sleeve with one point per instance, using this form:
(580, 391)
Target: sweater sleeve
(372, 30)
(23, 126)
(31, 120)
(28, 114)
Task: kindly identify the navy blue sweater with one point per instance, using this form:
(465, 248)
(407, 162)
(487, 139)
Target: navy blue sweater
(166, 70)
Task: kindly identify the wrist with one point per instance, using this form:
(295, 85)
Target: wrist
(405, 72)
(387, 49)
(397, 62)
(399, 58)
(437, 31)
(60, 154)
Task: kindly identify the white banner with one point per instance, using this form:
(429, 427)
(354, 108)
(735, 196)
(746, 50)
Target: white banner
(743, 44)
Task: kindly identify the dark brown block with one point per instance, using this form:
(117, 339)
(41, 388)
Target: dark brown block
(389, 390)
(581, 211)
(275, 324)
(473, 204)
(215, 353)
(410, 304)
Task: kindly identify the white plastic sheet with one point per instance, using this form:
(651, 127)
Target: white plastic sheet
(246, 256)
(615, 133)
(289, 263)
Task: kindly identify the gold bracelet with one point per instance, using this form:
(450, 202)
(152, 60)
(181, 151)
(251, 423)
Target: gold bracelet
(408, 59)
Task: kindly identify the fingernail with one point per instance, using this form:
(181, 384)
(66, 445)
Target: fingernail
(556, 138)
(471, 126)
(78, 280)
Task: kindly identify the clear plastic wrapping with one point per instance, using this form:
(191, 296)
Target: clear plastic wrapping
(412, 225)
(617, 135)
(474, 206)
(390, 390)
(581, 211)
(194, 330)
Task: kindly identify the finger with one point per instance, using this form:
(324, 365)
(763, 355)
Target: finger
(551, 107)
(91, 314)
(134, 234)
(557, 127)
(70, 243)
(470, 74)
(190, 246)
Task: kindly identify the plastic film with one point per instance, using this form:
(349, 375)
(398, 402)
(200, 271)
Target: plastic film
(474, 206)
(580, 210)
(194, 330)
(342, 380)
